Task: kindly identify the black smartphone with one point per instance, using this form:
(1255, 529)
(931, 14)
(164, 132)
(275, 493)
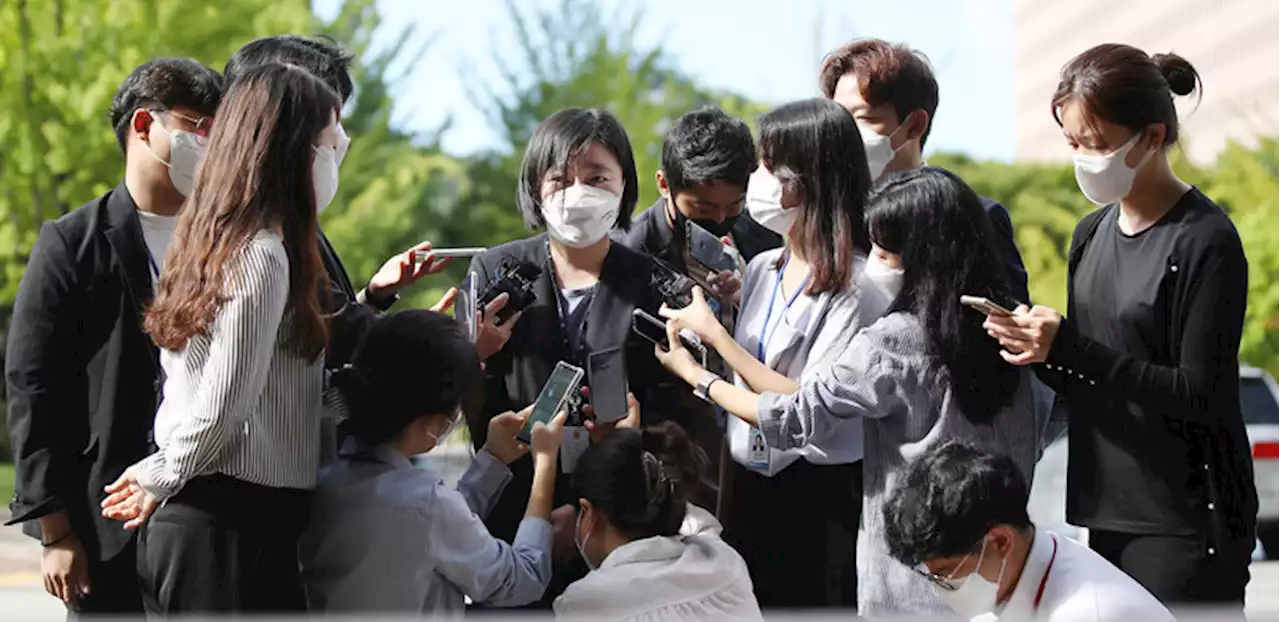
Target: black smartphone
(607, 377)
(654, 330)
(464, 307)
(564, 380)
(705, 247)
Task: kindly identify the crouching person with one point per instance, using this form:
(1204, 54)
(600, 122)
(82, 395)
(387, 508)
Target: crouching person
(391, 537)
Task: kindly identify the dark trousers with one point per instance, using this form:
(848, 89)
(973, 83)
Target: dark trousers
(1179, 570)
(113, 587)
(224, 545)
(798, 533)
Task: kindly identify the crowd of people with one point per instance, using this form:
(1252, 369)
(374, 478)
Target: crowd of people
(209, 417)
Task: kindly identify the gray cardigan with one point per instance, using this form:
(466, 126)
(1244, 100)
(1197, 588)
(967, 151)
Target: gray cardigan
(886, 377)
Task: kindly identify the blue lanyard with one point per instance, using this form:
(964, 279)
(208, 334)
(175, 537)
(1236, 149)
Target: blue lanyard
(765, 335)
(155, 270)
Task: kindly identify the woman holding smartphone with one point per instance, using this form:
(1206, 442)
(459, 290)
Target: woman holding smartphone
(800, 304)
(578, 180)
(923, 373)
(1147, 357)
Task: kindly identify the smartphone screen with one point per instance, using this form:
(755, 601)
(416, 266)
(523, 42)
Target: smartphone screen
(649, 327)
(464, 307)
(708, 249)
(607, 377)
(564, 378)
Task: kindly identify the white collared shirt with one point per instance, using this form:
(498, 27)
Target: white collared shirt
(1081, 586)
(692, 576)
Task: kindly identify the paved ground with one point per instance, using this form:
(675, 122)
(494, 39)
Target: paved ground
(23, 598)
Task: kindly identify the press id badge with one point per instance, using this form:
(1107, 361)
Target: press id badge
(757, 451)
(575, 443)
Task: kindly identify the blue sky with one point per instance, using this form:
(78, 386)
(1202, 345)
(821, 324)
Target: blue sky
(768, 50)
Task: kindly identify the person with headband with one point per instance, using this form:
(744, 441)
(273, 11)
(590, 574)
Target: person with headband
(386, 536)
(653, 555)
(82, 376)
(1146, 359)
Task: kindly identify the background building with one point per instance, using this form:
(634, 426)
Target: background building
(1234, 44)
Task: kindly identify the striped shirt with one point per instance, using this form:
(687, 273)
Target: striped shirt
(237, 401)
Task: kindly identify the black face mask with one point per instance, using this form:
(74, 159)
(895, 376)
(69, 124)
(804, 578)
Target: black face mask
(719, 229)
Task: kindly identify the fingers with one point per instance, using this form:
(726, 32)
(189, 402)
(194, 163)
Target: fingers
(667, 312)
(1021, 309)
(699, 295)
(116, 498)
(509, 419)
(491, 310)
(728, 241)
(119, 484)
(557, 422)
(446, 301)
(61, 589)
(673, 334)
(511, 322)
(1022, 358)
(80, 574)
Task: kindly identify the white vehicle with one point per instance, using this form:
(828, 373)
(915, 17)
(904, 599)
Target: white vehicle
(1260, 404)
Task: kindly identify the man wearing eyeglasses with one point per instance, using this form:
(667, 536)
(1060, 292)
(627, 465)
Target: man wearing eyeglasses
(959, 518)
(83, 378)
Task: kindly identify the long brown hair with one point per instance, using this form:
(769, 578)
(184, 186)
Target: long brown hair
(256, 175)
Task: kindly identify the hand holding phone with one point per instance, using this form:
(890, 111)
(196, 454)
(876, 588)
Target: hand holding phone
(654, 331)
(709, 251)
(984, 306)
(555, 393)
(440, 253)
(464, 306)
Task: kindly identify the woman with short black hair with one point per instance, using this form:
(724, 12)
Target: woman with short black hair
(653, 554)
(388, 536)
(578, 180)
(1147, 358)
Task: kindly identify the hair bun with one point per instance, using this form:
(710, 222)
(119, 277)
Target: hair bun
(683, 462)
(1178, 73)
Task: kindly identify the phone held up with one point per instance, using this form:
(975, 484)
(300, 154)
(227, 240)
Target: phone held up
(441, 253)
(654, 330)
(709, 251)
(984, 306)
(564, 382)
(607, 378)
(464, 308)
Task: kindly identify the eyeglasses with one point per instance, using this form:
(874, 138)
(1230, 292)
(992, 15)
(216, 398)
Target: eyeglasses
(203, 125)
(937, 579)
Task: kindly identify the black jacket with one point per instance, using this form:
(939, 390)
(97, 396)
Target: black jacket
(350, 315)
(1007, 249)
(82, 375)
(515, 375)
(1188, 402)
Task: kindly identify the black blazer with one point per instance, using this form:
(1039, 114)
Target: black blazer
(349, 317)
(514, 376)
(82, 376)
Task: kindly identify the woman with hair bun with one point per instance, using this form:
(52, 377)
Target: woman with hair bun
(1146, 359)
(653, 555)
(387, 536)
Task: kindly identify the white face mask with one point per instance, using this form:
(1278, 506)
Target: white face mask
(344, 142)
(889, 280)
(976, 596)
(581, 544)
(880, 151)
(185, 153)
(1105, 179)
(448, 429)
(324, 176)
(580, 215)
(764, 203)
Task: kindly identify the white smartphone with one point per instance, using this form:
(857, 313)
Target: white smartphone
(440, 253)
(984, 305)
(464, 307)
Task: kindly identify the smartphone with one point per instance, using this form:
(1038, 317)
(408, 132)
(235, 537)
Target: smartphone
(440, 253)
(654, 330)
(984, 305)
(607, 377)
(464, 307)
(705, 247)
(564, 380)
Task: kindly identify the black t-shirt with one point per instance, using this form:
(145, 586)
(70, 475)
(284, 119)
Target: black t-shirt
(1139, 467)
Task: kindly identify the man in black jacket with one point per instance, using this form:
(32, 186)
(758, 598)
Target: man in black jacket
(83, 377)
(351, 310)
(892, 93)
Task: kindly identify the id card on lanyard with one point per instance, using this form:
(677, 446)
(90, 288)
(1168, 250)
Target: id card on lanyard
(757, 449)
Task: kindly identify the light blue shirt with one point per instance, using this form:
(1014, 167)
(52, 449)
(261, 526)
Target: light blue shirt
(386, 536)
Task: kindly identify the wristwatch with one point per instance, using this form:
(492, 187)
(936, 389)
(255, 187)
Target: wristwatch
(703, 390)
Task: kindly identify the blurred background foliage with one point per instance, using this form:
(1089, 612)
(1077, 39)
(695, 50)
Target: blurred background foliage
(61, 61)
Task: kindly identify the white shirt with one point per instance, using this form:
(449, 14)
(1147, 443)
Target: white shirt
(1081, 586)
(157, 231)
(237, 400)
(692, 576)
(799, 337)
